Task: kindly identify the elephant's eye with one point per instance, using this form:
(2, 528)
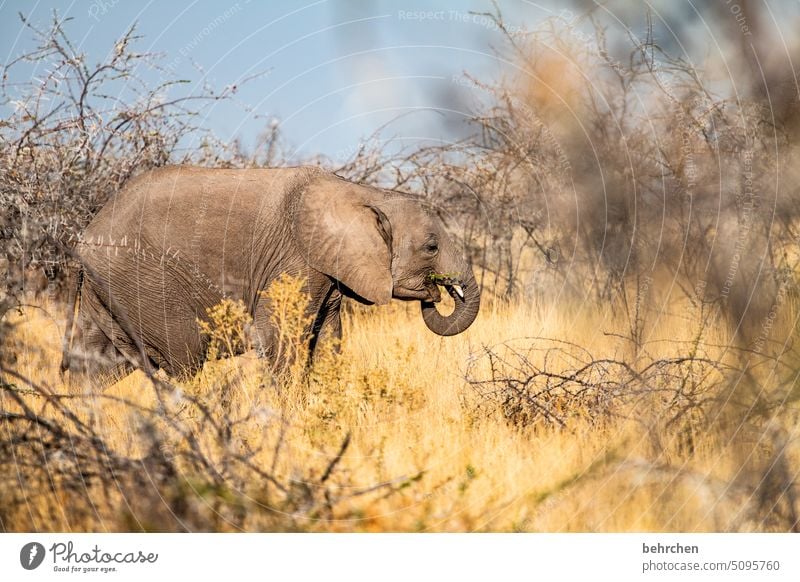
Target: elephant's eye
(431, 247)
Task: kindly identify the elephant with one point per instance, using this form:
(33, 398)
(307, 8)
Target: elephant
(177, 240)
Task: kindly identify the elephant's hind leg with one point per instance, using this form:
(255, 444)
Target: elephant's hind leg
(95, 357)
(106, 353)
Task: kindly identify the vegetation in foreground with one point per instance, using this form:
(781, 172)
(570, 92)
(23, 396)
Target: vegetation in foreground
(508, 427)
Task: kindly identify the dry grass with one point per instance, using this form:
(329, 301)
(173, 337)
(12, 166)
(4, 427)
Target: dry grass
(426, 451)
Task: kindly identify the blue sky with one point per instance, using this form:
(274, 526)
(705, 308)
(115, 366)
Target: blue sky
(333, 70)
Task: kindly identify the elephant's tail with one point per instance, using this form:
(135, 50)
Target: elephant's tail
(72, 305)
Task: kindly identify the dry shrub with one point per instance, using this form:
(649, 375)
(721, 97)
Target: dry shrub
(77, 134)
(225, 329)
(607, 162)
(540, 381)
(288, 305)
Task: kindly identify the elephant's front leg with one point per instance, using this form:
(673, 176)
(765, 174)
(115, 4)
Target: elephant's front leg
(327, 329)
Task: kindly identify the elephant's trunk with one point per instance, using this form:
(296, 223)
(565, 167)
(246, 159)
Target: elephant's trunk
(464, 313)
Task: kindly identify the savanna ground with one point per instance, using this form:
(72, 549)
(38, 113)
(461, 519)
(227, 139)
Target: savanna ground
(632, 219)
(396, 434)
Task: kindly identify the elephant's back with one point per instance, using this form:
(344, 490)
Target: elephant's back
(176, 193)
(185, 206)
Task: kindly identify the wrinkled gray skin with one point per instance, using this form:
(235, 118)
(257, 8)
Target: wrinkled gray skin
(178, 240)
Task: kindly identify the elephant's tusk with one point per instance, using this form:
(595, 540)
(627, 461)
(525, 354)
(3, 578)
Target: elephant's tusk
(459, 290)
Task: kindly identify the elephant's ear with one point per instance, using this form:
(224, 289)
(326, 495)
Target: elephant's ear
(344, 236)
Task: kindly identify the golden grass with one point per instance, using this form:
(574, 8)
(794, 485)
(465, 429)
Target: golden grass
(444, 462)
